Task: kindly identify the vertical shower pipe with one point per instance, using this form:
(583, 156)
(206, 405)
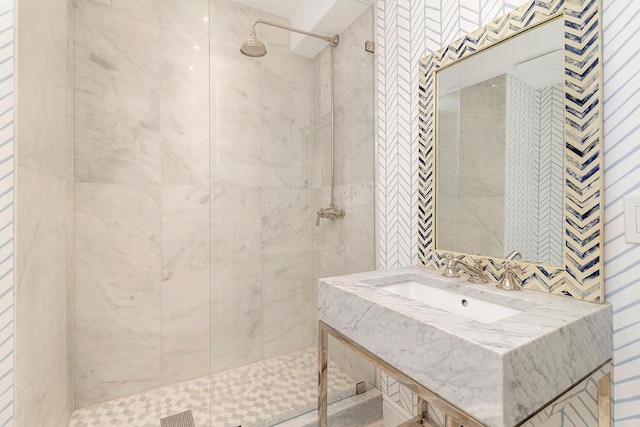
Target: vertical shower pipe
(332, 205)
(332, 213)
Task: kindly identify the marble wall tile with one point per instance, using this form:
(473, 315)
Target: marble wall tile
(42, 62)
(185, 282)
(287, 218)
(43, 390)
(236, 277)
(118, 316)
(42, 367)
(117, 92)
(236, 316)
(184, 76)
(287, 304)
(230, 24)
(286, 119)
(235, 121)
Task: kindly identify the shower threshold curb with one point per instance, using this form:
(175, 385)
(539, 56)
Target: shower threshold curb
(358, 410)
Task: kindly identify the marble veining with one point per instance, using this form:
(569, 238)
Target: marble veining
(499, 372)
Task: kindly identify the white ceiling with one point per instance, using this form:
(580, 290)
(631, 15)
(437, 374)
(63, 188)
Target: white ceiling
(327, 17)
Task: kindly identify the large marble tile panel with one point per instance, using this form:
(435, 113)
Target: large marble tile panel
(230, 24)
(287, 219)
(236, 221)
(31, 204)
(42, 334)
(358, 229)
(320, 157)
(185, 99)
(118, 315)
(286, 119)
(235, 121)
(42, 58)
(287, 301)
(355, 140)
(185, 282)
(354, 66)
(236, 316)
(117, 92)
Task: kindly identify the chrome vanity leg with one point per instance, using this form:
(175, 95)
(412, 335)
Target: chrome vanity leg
(322, 376)
(449, 421)
(604, 401)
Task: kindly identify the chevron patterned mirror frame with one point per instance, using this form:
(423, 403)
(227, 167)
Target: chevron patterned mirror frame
(582, 274)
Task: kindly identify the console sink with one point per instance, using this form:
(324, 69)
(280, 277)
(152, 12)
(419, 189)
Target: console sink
(470, 307)
(497, 355)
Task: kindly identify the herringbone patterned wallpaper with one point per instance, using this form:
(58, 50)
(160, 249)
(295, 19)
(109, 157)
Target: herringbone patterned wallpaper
(6, 213)
(409, 30)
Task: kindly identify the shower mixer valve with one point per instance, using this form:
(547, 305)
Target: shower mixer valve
(331, 213)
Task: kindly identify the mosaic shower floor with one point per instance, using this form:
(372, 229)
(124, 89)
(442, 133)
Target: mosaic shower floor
(257, 395)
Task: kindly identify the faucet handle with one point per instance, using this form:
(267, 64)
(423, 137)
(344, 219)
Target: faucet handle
(450, 268)
(510, 280)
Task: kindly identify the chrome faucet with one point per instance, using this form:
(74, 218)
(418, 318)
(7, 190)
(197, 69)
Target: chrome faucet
(475, 271)
(331, 213)
(510, 280)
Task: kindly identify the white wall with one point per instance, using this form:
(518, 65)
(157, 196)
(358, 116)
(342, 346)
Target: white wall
(409, 30)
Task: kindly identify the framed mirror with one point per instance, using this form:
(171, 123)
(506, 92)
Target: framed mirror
(511, 148)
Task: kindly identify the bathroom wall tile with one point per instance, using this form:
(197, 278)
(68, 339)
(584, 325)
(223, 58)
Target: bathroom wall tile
(42, 59)
(185, 105)
(230, 24)
(236, 271)
(358, 223)
(117, 99)
(41, 144)
(118, 316)
(185, 282)
(236, 316)
(320, 169)
(42, 381)
(287, 219)
(286, 119)
(355, 141)
(286, 301)
(354, 71)
(235, 121)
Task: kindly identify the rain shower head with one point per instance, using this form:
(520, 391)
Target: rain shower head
(253, 47)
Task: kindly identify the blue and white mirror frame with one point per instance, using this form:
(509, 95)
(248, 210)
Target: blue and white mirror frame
(581, 276)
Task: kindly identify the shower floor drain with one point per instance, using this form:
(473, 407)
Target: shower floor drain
(182, 419)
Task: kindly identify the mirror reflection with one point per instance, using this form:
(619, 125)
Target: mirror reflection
(500, 149)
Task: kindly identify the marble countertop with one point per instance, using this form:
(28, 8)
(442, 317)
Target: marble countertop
(499, 372)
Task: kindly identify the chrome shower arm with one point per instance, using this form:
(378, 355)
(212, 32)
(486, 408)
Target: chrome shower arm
(331, 40)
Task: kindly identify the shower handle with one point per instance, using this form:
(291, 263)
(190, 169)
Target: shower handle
(331, 213)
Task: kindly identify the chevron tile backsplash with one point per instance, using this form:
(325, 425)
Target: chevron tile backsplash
(6, 213)
(410, 30)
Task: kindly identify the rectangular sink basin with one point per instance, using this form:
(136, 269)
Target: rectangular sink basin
(460, 304)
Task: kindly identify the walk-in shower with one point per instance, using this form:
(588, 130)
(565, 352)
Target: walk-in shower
(254, 48)
(198, 178)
